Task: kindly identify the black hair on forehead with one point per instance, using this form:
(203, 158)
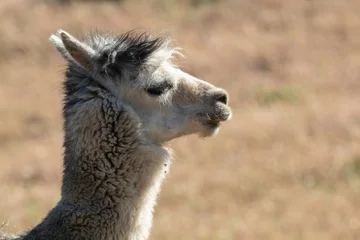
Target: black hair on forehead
(141, 45)
(127, 51)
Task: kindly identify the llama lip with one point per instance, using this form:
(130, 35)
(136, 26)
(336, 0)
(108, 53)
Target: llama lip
(221, 116)
(213, 120)
(212, 123)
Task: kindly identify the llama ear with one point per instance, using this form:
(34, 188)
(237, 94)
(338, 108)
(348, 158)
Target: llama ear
(72, 49)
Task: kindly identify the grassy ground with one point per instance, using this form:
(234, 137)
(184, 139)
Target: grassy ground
(286, 167)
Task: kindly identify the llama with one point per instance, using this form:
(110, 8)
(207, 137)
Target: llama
(124, 100)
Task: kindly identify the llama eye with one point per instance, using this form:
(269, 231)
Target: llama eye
(159, 89)
(156, 91)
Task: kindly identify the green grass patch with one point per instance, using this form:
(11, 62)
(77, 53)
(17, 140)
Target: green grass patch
(32, 211)
(350, 173)
(283, 94)
(351, 169)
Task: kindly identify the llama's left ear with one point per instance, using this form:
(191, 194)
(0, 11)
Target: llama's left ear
(72, 49)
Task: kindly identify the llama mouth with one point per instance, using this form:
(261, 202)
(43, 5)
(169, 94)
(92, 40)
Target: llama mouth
(213, 121)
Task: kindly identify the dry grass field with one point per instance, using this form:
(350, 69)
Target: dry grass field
(287, 166)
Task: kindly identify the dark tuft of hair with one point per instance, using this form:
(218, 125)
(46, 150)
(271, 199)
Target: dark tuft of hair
(128, 52)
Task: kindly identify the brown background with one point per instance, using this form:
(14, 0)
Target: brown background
(287, 166)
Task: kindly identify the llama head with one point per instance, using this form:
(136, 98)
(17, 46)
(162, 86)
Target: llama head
(137, 70)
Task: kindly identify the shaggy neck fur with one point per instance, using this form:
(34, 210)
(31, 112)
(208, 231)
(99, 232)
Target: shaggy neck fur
(112, 173)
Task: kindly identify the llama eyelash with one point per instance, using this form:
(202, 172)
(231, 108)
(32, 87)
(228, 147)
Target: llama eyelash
(159, 89)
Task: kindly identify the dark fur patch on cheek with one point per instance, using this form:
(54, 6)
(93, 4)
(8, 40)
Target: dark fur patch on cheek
(103, 58)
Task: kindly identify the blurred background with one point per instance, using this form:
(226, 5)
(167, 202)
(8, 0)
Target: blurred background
(287, 166)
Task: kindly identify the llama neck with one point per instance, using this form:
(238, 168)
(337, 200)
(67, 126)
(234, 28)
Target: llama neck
(111, 175)
(109, 166)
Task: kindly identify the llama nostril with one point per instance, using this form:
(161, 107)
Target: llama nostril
(221, 97)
